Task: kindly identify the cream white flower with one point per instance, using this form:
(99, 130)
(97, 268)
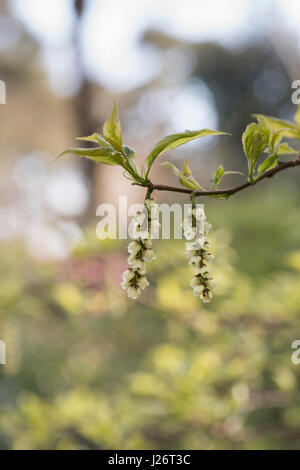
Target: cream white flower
(134, 248)
(206, 296)
(128, 275)
(189, 233)
(206, 243)
(195, 281)
(139, 266)
(211, 284)
(125, 284)
(140, 250)
(199, 258)
(198, 212)
(208, 256)
(148, 255)
(197, 290)
(133, 292)
(207, 227)
(195, 261)
(143, 282)
(131, 259)
(204, 271)
(190, 253)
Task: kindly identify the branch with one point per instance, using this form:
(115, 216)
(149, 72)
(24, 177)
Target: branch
(229, 191)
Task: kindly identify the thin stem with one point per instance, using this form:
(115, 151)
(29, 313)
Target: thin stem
(229, 191)
(149, 192)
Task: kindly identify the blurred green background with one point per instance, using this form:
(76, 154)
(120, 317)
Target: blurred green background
(87, 368)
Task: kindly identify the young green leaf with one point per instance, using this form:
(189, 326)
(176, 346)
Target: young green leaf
(175, 140)
(112, 130)
(285, 149)
(185, 177)
(217, 176)
(291, 130)
(268, 163)
(255, 140)
(129, 152)
(172, 167)
(186, 169)
(101, 154)
(96, 138)
(219, 173)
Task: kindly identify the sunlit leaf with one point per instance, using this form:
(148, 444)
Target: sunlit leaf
(185, 177)
(217, 176)
(285, 149)
(112, 129)
(277, 124)
(129, 152)
(175, 140)
(96, 138)
(172, 167)
(255, 141)
(269, 163)
(186, 169)
(101, 154)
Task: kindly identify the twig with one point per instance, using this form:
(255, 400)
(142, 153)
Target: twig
(229, 191)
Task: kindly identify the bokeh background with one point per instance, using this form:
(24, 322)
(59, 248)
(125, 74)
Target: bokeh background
(86, 367)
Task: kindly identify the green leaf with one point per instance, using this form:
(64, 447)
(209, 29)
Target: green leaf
(285, 149)
(129, 152)
(172, 167)
(219, 173)
(277, 137)
(217, 176)
(186, 169)
(268, 163)
(185, 177)
(255, 140)
(103, 154)
(97, 138)
(112, 130)
(277, 124)
(189, 182)
(175, 140)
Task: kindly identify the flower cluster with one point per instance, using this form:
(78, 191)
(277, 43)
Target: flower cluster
(200, 256)
(140, 250)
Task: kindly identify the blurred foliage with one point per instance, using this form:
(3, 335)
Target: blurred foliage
(86, 368)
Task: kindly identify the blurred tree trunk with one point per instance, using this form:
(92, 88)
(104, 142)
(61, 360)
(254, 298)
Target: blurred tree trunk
(86, 123)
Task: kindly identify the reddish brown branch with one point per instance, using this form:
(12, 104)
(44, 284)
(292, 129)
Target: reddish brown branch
(229, 191)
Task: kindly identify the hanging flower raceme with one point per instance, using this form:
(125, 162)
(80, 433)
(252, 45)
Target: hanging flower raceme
(140, 250)
(200, 256)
